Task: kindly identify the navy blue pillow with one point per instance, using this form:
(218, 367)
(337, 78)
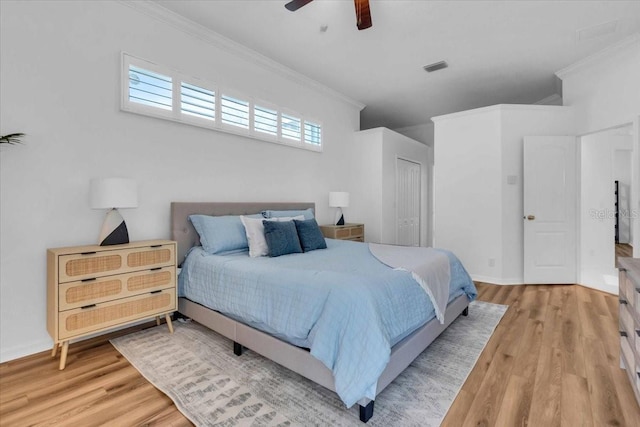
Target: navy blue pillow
(310, 236)
(281, 237)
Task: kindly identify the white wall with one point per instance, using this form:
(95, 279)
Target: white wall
(597, 251)
(467, 190)
(478, 214)
(374, 175)
(60, 84)
(604, 92)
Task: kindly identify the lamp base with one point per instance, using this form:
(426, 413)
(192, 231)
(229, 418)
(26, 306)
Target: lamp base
(114, 230)
(339, 217)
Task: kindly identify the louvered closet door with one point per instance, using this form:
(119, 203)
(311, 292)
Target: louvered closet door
(408, 203)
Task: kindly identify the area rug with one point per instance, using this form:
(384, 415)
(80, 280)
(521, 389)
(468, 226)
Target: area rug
(211, 386)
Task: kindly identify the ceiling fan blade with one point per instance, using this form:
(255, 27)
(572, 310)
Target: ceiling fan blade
(363, 14)
(296, 4)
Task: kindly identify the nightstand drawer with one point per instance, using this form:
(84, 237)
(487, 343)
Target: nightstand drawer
(81, 293)
(89, 265)
(83, 320)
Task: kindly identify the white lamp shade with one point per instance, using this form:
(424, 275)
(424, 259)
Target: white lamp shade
(106, 193)
(338, 199)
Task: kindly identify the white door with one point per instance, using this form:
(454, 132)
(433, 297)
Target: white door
(408, 179)
(550, 209)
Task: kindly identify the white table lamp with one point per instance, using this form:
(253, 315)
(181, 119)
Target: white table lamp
(339, 199)
(113, 193)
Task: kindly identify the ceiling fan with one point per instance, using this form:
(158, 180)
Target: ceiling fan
(363, 14)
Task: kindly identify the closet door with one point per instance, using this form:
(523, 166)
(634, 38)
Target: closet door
(408, 177)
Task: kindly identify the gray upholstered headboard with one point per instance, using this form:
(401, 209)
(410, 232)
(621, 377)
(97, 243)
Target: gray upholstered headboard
(183, 232)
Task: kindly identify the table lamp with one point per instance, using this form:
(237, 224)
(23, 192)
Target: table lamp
(339, 199)
(113, 193)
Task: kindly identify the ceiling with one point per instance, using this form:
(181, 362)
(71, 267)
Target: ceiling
(497, 51)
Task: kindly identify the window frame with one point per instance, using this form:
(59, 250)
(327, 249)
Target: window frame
(176, 114)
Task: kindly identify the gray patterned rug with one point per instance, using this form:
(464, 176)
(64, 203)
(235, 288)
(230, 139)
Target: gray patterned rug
(197, 369)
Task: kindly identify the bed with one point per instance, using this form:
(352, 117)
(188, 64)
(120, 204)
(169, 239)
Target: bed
(293, 352)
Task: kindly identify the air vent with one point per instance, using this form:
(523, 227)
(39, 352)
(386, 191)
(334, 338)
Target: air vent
(435, 66)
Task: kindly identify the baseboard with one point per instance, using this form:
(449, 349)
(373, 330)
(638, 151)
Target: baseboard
(8, 354)
(604, 287)
(497, 281)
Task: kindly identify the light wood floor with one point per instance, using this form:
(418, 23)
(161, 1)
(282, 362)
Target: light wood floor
(553, 360)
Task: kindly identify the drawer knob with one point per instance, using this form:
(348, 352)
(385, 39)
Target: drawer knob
(88, 253)
(89, 279)
(623, 302)
(155, 292)
(155, 246)
(87, 306)
(155, 268)
(623, 334)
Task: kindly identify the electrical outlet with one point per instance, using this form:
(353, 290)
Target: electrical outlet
(492, 262)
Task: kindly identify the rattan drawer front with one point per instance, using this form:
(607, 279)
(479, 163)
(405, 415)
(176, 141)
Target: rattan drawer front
(97, 264)
(151, 257)
(343, 233)
(357, 231)
(151, 280)
(78, 294)
(80, 321)
(82, 266)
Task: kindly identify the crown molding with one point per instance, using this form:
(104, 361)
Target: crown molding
(501, 107)
(156, 11)
(553, 99)
(600, 56)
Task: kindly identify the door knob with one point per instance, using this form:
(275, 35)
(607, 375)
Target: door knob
(531, 217)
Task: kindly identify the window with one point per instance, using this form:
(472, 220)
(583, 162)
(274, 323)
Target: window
(265, 120)
(291, 127)
(152, 90)
(149, 88)
(312, 133)
(235, 112)
(197, 101)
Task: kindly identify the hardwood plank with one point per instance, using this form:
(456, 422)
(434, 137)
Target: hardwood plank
(575, 403)
(545, 404)
(485, 408)
(605, 406)
(515, 405)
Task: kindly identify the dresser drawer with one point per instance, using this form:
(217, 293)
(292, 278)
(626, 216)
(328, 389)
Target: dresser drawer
(627, 353)
(88, 265)
(80, 293)
(626, 320)
(83, 320)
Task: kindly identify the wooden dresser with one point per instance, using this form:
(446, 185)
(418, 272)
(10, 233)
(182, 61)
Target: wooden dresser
(94, 288)
(348, 231)
(630, 320)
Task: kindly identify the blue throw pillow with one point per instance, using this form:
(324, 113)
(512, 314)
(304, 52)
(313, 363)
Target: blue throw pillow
(281, 237)
(310, 236)
(220, 234)
(307, 213)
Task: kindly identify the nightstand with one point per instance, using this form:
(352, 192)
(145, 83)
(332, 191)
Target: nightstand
(91, 289)
(354, 232)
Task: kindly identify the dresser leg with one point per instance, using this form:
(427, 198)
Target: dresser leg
(169, 324)
(54, 352)
(157, 320)
(63, 355)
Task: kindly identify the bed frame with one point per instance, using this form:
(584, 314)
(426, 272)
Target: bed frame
(294, 358)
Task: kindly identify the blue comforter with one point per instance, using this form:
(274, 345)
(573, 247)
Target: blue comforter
(342, 303)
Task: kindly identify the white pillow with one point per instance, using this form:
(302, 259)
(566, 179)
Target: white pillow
(255, 233)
